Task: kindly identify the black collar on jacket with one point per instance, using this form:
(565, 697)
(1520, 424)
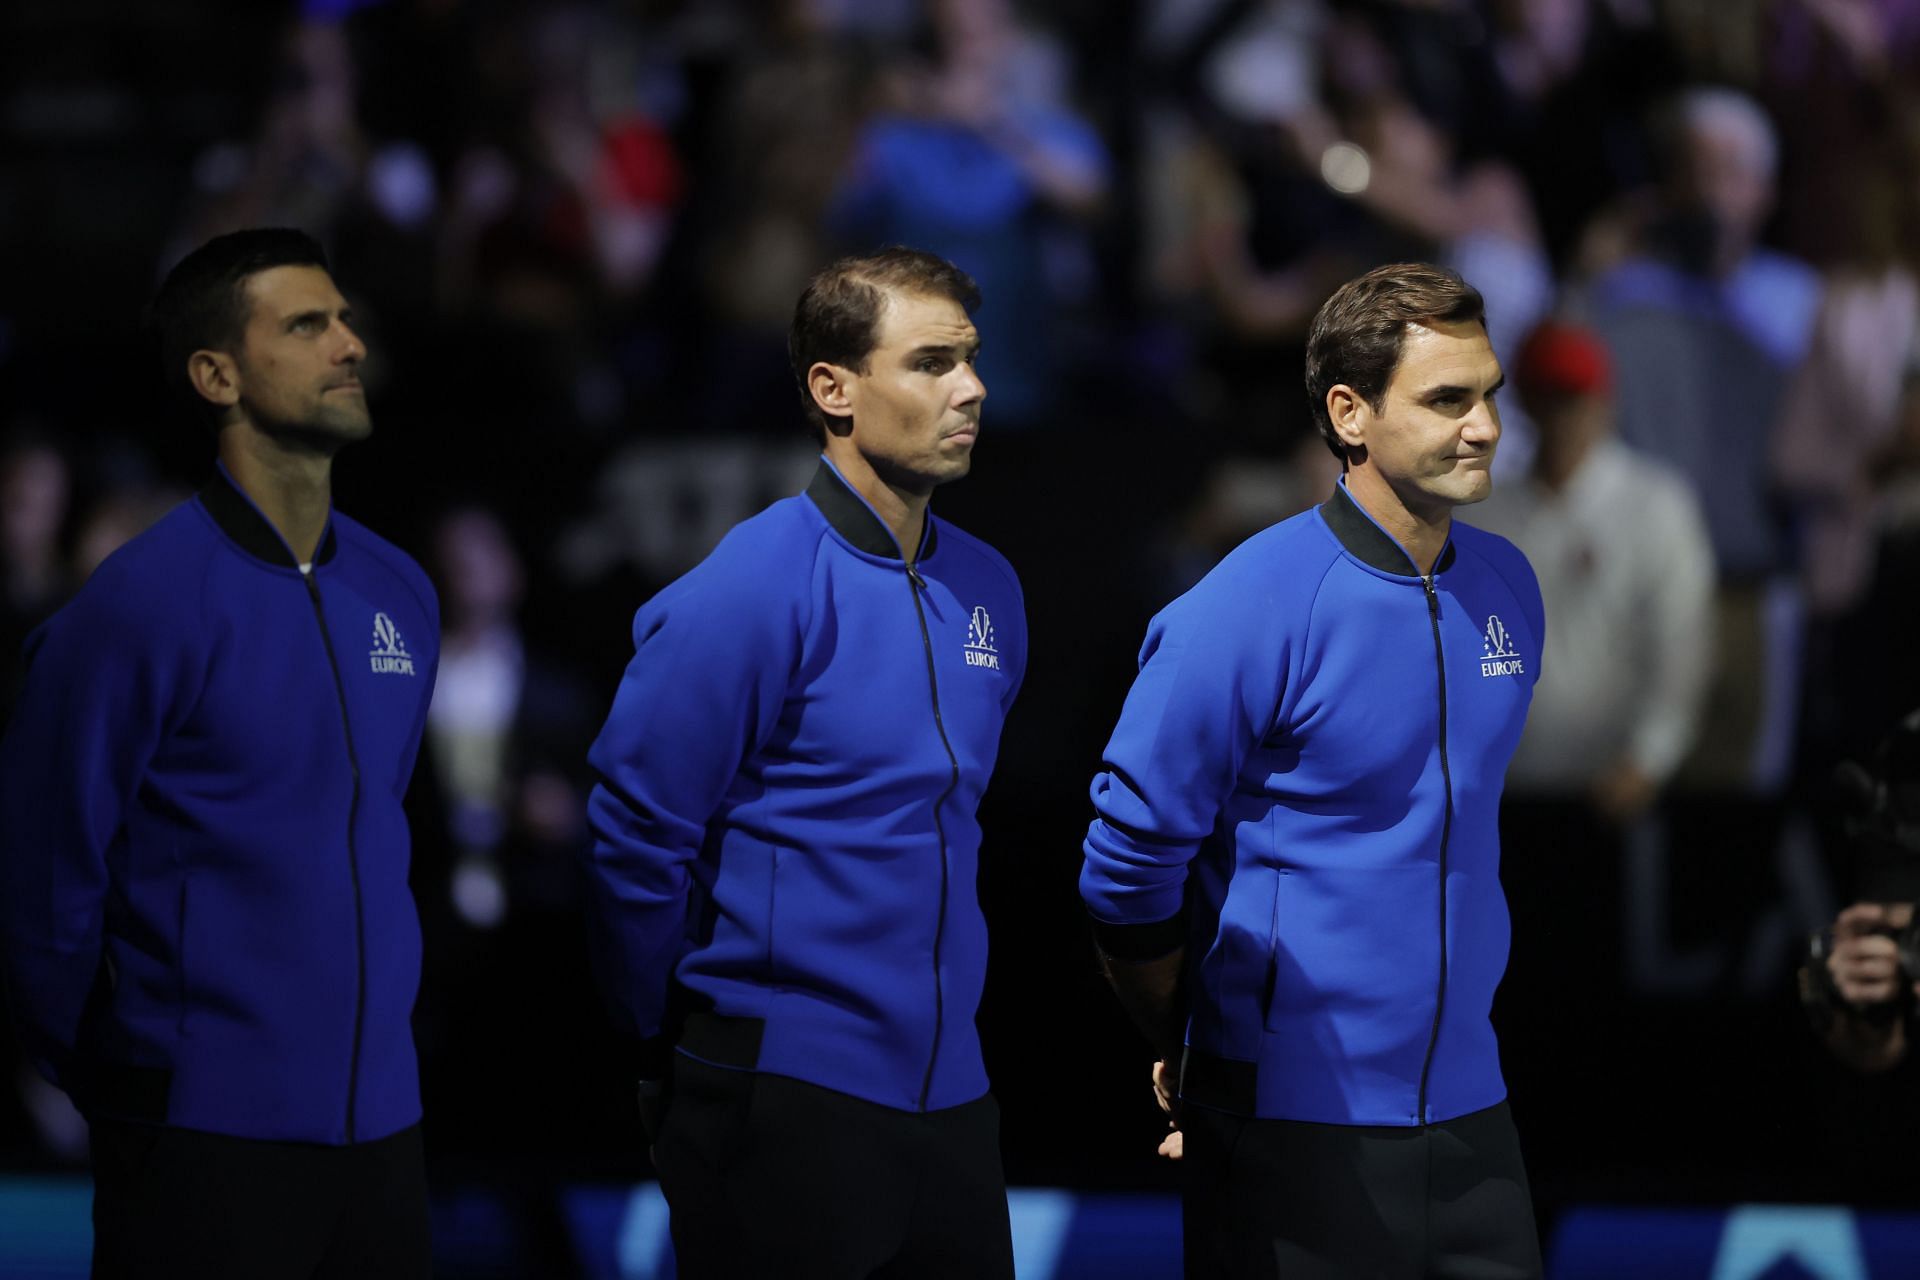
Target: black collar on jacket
(854, 520)
(242, 522)
(1367, 542)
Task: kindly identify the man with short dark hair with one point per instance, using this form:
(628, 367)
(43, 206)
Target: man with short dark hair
(209, 940)
(786, 848)
(1294, 871)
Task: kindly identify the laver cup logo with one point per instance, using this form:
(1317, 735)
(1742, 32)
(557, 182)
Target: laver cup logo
(980, 650)
(1498, 657)
(389, 656)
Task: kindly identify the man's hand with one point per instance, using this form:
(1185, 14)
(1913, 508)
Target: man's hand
(1166, 1092)
(1864, 962)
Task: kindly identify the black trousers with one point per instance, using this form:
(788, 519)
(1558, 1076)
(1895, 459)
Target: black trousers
(171, 1202)
(1285, 1200)
(767, 1176)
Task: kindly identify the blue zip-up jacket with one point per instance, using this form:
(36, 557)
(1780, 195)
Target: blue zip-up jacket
(785, 820)
(203, 860)
(1304, 789)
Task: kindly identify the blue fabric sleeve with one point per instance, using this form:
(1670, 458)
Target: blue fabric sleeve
(106, 679)
(714, 654)
(1212, 672)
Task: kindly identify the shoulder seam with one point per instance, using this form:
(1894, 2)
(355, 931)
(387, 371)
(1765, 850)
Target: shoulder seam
(1306, 636)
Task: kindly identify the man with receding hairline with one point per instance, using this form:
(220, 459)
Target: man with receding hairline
(208, 935)
(1294, 868)
(783, 877)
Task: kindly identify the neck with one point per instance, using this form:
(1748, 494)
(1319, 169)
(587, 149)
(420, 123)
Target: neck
(903, 510)
(294, 490)
(1420, 531)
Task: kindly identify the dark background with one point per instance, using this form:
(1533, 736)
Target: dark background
(573, 232)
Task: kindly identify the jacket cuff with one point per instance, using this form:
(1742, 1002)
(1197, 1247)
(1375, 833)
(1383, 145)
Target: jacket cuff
(1139, 942)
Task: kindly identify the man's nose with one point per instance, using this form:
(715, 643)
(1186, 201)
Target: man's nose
(972, 387)
(1483, 424)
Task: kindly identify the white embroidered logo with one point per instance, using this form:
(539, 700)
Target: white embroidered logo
(389, 656)
(980, 650)
(1499, 658)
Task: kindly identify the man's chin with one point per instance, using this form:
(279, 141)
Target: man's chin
(326, 434)
(1473, 487)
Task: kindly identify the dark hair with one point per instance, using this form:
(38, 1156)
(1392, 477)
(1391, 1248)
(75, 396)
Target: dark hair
(1358, 333)
(837, 320)
(202, 304)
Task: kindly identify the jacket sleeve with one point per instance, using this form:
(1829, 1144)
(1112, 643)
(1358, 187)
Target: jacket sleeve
(1210, 683)
(105, 684)
(410, 751)
(713, 657)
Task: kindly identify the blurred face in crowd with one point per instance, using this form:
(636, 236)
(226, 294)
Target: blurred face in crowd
(913, 413)
(1432, 439)
(1725, 174)
(295, 376)
(33, 502)
(481, 576)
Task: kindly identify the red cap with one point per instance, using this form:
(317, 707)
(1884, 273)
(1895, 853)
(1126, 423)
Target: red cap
(1564, 359)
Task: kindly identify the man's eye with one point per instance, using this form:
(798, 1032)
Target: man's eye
(932, 366)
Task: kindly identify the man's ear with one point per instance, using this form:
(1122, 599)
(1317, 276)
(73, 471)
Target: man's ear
(216, 376)
(830, 387)
(1350, 415)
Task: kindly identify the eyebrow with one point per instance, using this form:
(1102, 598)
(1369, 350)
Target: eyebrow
(298, 318)
(1433, 393)
(946, 348)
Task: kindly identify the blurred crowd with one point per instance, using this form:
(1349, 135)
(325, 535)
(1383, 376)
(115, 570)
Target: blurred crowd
(574, 233)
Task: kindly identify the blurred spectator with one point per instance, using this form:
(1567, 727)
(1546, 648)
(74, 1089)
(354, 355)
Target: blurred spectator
(1629, 598)
(575, 200)
(1837, 74)
(1840, 437)
(503, 784)
(34, 487)
(981, 161)
(309, 164)
(1578, 72)
(1325, 160)
(1706, 328)
(794, 105)
(503, 734)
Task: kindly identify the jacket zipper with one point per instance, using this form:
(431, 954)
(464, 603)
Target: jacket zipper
(1446, 832)
(917, 584)
(353, 859)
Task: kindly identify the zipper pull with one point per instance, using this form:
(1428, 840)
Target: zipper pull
(913, 576)
(1433, 601)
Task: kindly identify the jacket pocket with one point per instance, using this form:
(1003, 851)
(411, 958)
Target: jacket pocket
(706, 1125)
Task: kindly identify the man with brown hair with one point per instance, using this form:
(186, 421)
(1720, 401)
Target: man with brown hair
(785, 833)
(1294, 870)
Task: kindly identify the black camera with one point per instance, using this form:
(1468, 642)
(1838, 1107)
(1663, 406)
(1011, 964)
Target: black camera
(1880, 804)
